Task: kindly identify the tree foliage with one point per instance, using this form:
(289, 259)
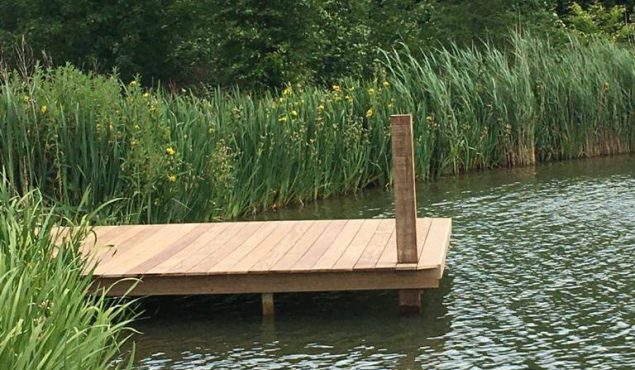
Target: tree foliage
(599, 20)
(134, 37)
(257, 44)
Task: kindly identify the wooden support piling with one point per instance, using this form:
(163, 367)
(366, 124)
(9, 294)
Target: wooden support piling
(267, 305)
(405, 202)
(410, 301)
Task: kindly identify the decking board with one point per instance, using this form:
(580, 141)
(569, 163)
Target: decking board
(266, 262)
(197, 249)
(286, 263)
(116, 248)
(156, 259)
(375, 247)
(337, 248)
(355, 249)
(250, 255)
(150, 246)
(317, 249)
(243, 234)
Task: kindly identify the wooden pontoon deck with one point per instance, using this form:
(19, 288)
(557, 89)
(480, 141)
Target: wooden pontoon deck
(266, 257)
(406, 253)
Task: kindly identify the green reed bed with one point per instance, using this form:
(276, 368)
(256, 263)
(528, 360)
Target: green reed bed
(221, 154)
(47, 319)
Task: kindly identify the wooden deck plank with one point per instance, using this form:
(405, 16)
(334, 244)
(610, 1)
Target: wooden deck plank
(130, 253)
(423, 229)
(198, 249)
(204, 265)
(315, 251)
(116, 246)
(217, 248)
(338, 247)
(267, 261)
(388, 258)
(356, 247)
(376, 245)
(436, 244)
(243, 260)
(293, 255)
(249, 244)
(100, 239)
(100, 236)
(164, 254)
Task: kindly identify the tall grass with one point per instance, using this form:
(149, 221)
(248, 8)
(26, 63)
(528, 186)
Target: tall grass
(46, 319)
(532, 102)
(220, 154)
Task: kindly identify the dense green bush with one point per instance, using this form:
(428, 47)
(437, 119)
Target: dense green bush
(599, 20)
(133, 37)
(251, 43)
(217, 42)
(226, 153)
(47, 319)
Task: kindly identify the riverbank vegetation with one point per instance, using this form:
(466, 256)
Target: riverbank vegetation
(46, 320)
(222, 154)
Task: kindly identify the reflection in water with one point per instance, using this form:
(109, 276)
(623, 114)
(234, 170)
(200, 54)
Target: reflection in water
(540, 275)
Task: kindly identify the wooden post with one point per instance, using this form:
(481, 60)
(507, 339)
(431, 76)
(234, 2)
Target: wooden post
(405, 203)
(404, 183)
(267, 305)
(410, 301)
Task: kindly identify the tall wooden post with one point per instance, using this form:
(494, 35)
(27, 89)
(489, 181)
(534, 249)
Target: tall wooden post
(405, 204)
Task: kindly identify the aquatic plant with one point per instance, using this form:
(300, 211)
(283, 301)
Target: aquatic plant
(220, 154)
(47, 318)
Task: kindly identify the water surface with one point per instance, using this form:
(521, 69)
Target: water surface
(541, 274)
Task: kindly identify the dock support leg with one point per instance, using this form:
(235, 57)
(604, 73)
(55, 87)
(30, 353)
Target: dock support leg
(267, 305)
(410, 301)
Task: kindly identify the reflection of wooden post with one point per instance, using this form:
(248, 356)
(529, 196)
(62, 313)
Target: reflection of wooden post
(267, 304)
(405, 203)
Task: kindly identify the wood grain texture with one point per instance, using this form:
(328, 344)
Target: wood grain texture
(436, 244)
(292, 256)
(404, 188)
(376, 245)
(197, 249)
(244, 233)
(338, 247)
(317, 249)
(115, 249)
(253, 249)
(156, 258)
(153, 243)
(354, 250)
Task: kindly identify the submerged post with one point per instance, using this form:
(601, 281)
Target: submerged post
(267, 305)
(405, 204)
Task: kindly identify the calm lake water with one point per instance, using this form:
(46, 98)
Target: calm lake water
(541, 274)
